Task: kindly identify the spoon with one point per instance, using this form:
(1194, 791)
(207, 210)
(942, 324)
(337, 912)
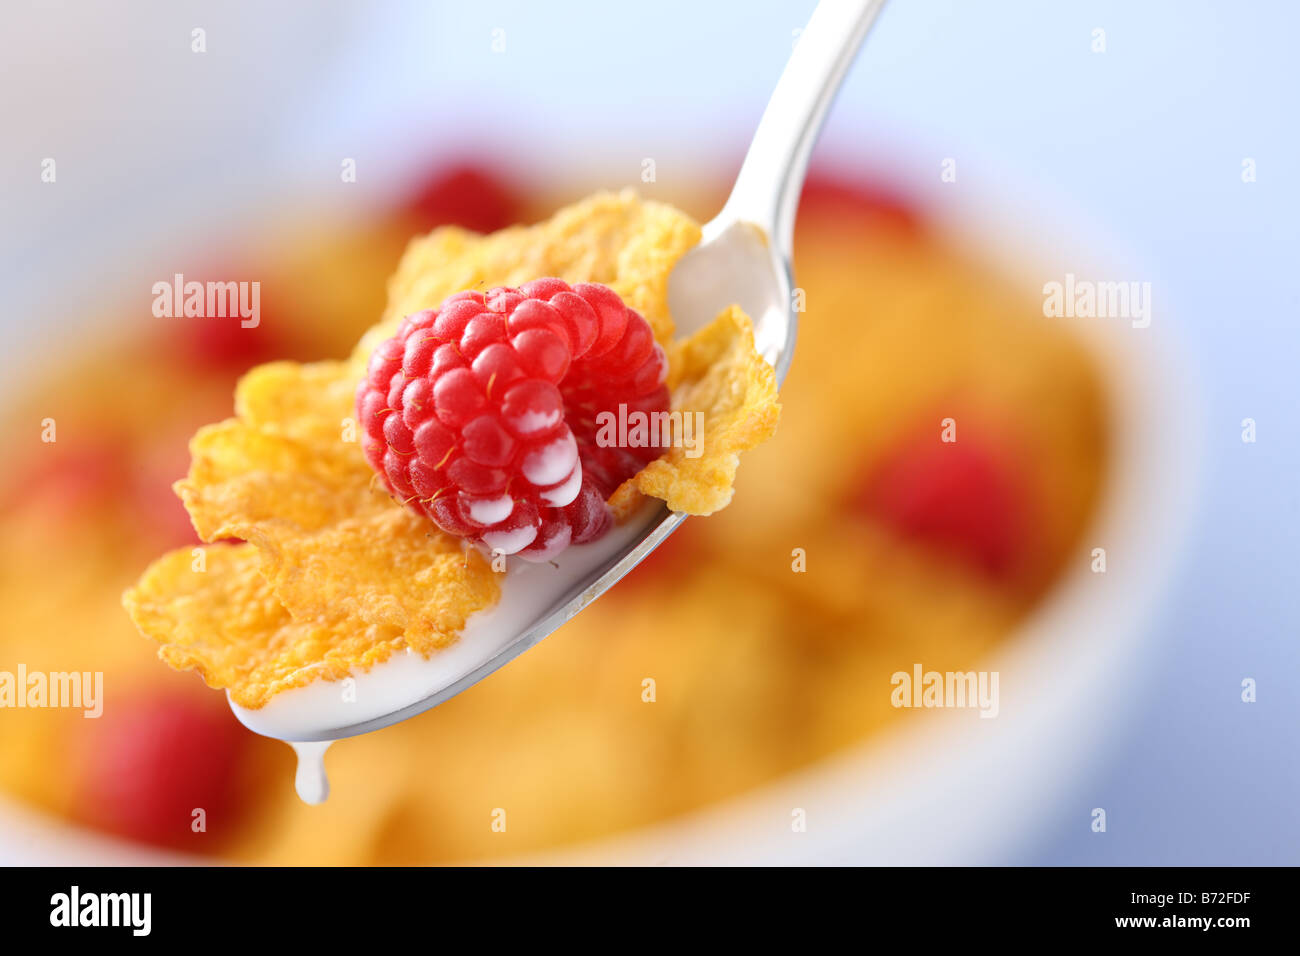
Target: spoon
(743, 258)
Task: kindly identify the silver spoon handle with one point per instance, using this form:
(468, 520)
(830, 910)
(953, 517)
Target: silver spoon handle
(767, 190)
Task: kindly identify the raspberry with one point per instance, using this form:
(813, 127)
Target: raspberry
(967, 498)
(849, 199)
(482, 414)
(464, 194)
(220, 344)
(154, 758)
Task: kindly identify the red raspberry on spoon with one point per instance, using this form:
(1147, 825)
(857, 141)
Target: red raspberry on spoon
(482, 414)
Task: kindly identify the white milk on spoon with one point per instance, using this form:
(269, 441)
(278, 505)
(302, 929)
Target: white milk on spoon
(310, 717)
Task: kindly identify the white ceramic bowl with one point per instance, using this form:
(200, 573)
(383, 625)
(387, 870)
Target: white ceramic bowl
(945, 786)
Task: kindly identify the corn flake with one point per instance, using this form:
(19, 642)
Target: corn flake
(226, 622)
(717, 373)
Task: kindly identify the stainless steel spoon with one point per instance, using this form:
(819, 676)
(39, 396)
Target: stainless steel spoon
(743, 258)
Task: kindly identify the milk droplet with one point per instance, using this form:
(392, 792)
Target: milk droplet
(310, 780)
(509, 542)
(552, 462)
(488, 511)
(564, 494)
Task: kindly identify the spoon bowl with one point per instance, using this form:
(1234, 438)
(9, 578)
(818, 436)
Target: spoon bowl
(737, 264)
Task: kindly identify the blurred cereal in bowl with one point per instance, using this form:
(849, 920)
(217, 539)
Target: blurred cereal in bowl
(864, 539)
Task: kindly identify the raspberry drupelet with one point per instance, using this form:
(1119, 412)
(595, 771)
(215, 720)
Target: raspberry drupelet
(482, 414)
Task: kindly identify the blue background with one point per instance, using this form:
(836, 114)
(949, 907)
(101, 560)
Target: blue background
(1148, 139)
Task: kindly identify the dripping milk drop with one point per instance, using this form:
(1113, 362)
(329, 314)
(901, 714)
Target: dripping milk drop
(310, 780)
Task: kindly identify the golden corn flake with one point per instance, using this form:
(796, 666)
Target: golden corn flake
(393, 569)
(313, 401)
(717, 374)
(612, 238)
(213, 611)
(335, 575)
(353, 573)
